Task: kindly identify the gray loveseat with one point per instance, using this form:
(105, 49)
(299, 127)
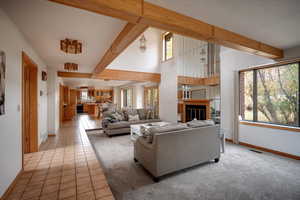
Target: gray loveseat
(117, 122)
(177, 149)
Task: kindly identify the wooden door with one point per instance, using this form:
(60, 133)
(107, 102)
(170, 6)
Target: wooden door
(30, 106)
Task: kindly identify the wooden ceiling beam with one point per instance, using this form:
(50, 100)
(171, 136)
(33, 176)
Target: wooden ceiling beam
(73, 75)
(111, 74)
(129, 34)
(128, 10)
(123, 75)
(141, 12)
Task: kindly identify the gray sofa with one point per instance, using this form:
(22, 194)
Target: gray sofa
(112, 126)
(175, 150)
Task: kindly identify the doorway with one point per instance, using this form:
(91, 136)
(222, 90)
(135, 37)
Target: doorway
(29, 105)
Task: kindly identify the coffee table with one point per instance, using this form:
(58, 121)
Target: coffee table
(135, 129)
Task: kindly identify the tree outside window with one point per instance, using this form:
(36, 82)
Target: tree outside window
(271, 95)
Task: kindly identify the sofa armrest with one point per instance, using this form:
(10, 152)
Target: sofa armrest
(145, 144)
(105, 122)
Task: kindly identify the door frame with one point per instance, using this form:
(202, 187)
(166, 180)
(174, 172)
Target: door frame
(26, 60)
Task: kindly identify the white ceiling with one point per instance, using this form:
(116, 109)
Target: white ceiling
(45, 23)
(275, 22)
(133, 59)
(101, 84)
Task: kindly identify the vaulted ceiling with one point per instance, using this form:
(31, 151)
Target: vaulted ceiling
(45, 23)
(274, 22)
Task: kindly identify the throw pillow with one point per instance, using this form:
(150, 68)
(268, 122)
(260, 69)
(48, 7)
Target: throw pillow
(147, 134)
(127, 112)
(133, 117)
(117, 116)
(142, 113)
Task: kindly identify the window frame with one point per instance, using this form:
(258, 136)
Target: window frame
(129, 104)
(164, 46)
(255, 121)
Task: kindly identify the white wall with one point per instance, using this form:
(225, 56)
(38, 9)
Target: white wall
(168, 91)
(292, 52)
(280, 140)
(231, 61)
(53, 101)
(133, 59)
(13, 43)
(188, 56)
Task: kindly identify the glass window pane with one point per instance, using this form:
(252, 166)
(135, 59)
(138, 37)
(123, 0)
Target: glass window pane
(168, 46)
(246, 79)
(277, 95)
(169, 49)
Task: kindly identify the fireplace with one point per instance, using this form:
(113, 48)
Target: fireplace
(195, 112)
(195, 108)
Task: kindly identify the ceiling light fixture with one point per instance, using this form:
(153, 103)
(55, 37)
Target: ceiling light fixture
(71, 46)
(143, 42)
(71, 67)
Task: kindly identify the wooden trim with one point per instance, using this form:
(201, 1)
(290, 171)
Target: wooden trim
(12, 185)
(141, 12)
(112, 74)
(270, 151)
(273, 126)
(210, 81)
(185, 80)
(51, 135)
(228, 140)
(31, 104)
(203, 102)
(213, 80)
(128, 35)
(286, 62)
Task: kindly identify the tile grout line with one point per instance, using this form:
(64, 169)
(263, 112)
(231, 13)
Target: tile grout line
(46, 176)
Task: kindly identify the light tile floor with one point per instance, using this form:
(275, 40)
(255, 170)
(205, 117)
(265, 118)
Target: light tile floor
(66, 167)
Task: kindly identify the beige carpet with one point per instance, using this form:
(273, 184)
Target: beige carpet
(240, 175)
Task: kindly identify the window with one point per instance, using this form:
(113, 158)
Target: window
(126, 97)
(84, 95)
(271, 95)
(167, 46)
(151, 98)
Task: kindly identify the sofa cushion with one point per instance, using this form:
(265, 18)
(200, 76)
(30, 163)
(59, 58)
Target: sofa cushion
(118, 116)
(116, 125)
(150, 114)
(167, 128)
(148, 132)
(142, 113)
(129, 111)
(133, 118)
(200, 123)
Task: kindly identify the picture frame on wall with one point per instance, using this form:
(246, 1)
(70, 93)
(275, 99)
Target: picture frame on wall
(44, 76)
(2, 82)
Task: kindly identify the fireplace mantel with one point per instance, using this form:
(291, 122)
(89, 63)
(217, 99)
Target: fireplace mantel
(196, 102)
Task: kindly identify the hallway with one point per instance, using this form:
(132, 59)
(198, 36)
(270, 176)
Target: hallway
(66, 167)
